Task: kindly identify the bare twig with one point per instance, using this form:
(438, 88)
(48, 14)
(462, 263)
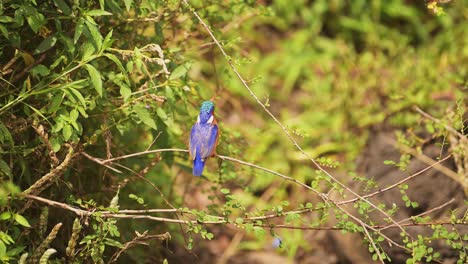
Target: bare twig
(397, 183)
(421, 214)
(220, 220)
(99, 161)
(140, 239)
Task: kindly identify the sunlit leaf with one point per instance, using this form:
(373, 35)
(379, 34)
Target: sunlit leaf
(67, 132)
(98, 12)
(145, 116)
(21, 220)
(63, 6)
(95, 78)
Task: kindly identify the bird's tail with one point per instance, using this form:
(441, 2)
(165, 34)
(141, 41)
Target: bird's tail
(198, 165)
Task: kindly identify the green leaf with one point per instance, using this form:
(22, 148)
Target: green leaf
(5, 169)
(113, 243)
(128, 4)
(225, 191)
(119, 64)
(125, 92)
(2, 250)
(67, 132)
(40, 71)
(74, 114)
(98, 12)
(95, 78)
(145, 116)
(5, 216)
(180, 71)
(35, 19)
(21, 220)
(4, 31)
(161, 113)
(6, 19)
(88, 50)
(209, 236)
(78, 95)
(46, 44)
(107, 42)
(63, 6)
(78, 30)
(95, 34)
(56, 143)
(5, 135)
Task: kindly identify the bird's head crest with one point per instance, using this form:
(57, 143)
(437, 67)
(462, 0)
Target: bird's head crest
(206, 112)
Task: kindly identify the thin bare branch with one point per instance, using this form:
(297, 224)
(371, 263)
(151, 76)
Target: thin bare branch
(397, 183)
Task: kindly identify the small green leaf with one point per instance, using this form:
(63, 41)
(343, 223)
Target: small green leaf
(107, 42)
(98, 12)
(40, 71)
(4, 31)
(56, 144)
(161, 113)
(225, 191)
(119, 64)
(88, 50)
(46, 44)
(209, 236)
(67, 132)
(145, 116)
(5, 169)
(78, 95)
(5, 216)
(95, 78)
(63, 6)
(113, 243)
(128, 4)
(21, 220)
(6, 19)
(74, 114)
(95, 34)
(78, 30)
(180, 71)
(35, 19)
(125, 92)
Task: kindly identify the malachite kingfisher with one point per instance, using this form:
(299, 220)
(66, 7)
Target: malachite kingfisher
(203, 137)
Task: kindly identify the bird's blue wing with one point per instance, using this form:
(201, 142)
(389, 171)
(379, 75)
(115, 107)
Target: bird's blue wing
(194, 138)
(211, 145)
(203, 140)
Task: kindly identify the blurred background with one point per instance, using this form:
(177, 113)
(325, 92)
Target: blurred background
(373, 90)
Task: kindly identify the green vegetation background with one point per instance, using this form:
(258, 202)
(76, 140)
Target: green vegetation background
(110, 78)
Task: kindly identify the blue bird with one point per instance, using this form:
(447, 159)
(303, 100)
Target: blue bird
(203, 137)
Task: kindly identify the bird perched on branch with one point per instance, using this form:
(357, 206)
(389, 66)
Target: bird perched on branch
(203, 137)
